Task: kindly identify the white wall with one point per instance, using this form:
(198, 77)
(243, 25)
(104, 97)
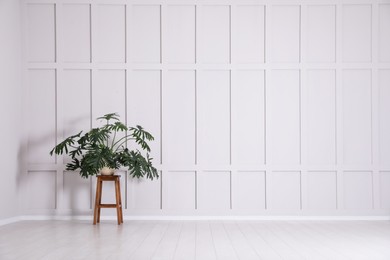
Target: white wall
(258, 107)
(10, 105)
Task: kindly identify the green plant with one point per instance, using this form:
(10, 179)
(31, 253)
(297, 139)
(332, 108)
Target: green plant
(101, 147)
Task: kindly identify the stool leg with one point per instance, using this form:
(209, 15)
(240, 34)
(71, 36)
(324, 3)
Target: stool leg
(120, 201)
(117, 201)
(97, 199)
(100, 199)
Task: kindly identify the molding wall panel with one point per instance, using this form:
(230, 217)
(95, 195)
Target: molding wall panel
(384, 33)
(358, 184)
(41, 33)
(321, 118)
(357, 117)
(248, 191)
(321, 33)
(322, 190)
(357, 28)
(41, 108)
(180, 28)
(146, 34)
(39, 198)
(248, 120)
(384, 111)
(179, 118)
(76, 192)
(258, 108)
(250, 34)
(213, 103)
(215, 31)
(111, 31)
(283, 117)
(285, 33)
(76, 33)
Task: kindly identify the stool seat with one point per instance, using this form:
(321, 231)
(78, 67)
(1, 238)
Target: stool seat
(98, 202)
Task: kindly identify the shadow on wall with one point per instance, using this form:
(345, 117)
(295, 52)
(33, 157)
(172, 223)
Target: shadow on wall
(37, 181)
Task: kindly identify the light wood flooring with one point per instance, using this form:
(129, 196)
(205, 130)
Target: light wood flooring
(203, 240)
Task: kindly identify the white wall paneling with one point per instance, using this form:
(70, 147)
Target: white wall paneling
(321, 33)
(76, 192)
(358, 184)
(76, 33)
(285, 191)
(146, 34)
(42, 104)
(283, 117)
(256, 107)
(179, 118)
(248, 119)
(285, 33)
(213, 191)
(41, 22)
(322, 190)
(250, 34)
(384, 110)
(248, 191)
(357, 117)
(215, 30)
(384, 33)
(213, 103)
(321, 119)
(181, 25)
(385, 190)
(39, 198)
(357, 28)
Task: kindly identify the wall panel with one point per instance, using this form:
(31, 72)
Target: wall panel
(248, 191)
(356, 29)
(285, 33)
(108, 94)
(384, 111)
(384, 33)
(250, 34)
(213, 103)
(111, 31)
(215, 46)
(76, 33)
(283, 117)
(181, 25)
(357, 116)
(42, 104)
(321, 118)
(144, 102)
(41, 33)
(179, 117)
(385, 190)
(180, 191)
(257, 108)
(322, 190)
(39, 198)
(358, 193)
(213, 189)
(321, 33)
(284, 191)
(249, 117)
(146, 34)
(77, 192)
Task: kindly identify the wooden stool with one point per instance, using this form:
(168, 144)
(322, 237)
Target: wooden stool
(98, 201)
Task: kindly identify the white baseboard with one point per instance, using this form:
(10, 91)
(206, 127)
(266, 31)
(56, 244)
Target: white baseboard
(197, 218)
(9, 221)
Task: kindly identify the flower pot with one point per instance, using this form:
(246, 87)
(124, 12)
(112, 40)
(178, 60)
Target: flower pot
(107, 171)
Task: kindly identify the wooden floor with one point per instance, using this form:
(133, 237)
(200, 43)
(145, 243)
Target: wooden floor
(204, 240)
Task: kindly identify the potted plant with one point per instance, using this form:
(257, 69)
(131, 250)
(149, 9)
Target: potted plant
(102, 149)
